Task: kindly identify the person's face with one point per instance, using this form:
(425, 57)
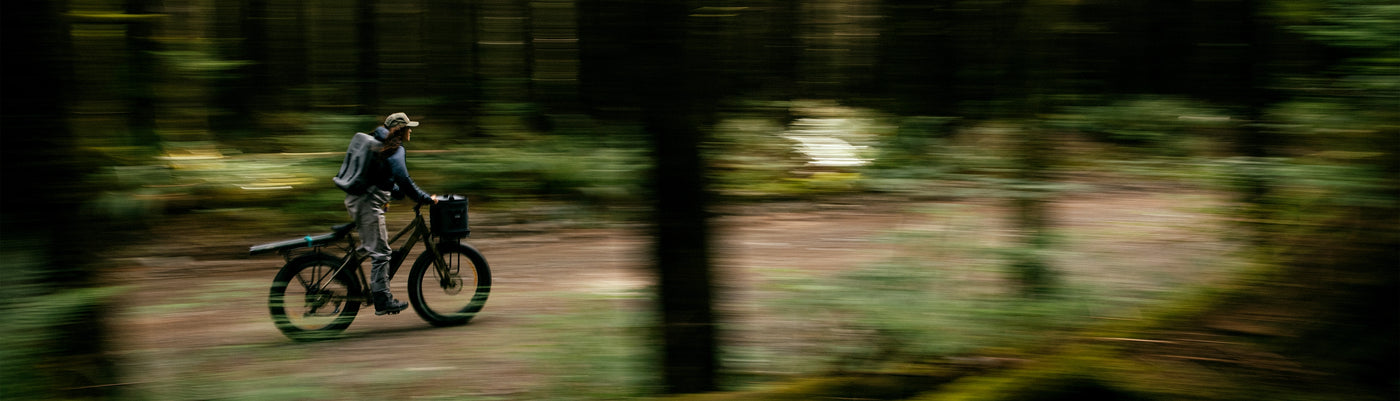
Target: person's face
(406, 131)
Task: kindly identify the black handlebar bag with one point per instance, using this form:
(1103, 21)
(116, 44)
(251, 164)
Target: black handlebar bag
(448, 217)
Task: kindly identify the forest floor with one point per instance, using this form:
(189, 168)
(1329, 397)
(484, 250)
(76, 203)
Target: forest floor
(567, 315)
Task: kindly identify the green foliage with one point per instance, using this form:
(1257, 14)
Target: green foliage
(1147, 124)
(1086, 374)
(574, 170)
(1367, 78)
(202, 374)
(916, 144)
(200, 62)
(748, 154)
(596, 349)
(1341, 162)
(1334, 131)
(944, 294)
(1366, 24)
(907, 310)
(28, 355)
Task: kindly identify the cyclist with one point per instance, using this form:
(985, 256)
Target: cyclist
(388, 178)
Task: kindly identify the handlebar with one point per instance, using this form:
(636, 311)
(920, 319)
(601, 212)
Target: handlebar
(439, 198)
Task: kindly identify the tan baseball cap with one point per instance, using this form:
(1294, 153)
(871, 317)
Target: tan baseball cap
(398, 119)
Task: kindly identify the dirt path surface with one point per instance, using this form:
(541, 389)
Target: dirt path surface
(195, 323)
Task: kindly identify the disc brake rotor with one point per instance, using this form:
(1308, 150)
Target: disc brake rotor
(315, 301)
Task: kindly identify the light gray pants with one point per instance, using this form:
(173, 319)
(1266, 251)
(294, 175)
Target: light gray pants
(368, 212)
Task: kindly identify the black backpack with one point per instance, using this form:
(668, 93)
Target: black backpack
(360, 157)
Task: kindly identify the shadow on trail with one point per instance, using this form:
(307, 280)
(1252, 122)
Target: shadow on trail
(406, 332)
(386, 332)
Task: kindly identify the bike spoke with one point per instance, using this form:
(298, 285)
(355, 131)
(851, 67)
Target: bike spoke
(448, 288)
(313, 300)
(304, 284)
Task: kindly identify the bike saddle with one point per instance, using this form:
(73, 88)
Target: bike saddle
(342, 229)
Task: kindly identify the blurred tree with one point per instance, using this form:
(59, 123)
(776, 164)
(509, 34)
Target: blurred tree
(918, 56)
(401, 55)
(367, 57)
(505, 65)
(231, 101)
(51, 245)
(1037, 65)
(1341, 256)
(1030, 265)
(141, 74)
(839, 39)
(779, 49)
(450, 35)
(284, 77)
(674, 89)
(334, 31)
(554, 53)
(603, 59)
(1243, 79)
(187, 62)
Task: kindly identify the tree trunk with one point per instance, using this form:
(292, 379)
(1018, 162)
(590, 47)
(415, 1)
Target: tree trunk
(671, 90)
(48, 246)
(555, 53)
(331, 59)
(286, 81)
(503, 44)
(449, 42)
(141, 79)
(1036, 66)
(367, 56)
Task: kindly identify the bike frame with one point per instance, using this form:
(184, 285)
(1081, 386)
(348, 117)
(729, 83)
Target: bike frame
(416, 231)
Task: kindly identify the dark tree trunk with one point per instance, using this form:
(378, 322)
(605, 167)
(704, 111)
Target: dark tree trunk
(244, 94)
(232, 100)
(671, 89)
(1036, 64)
(44, 190)
(141, 81)
(1241, 79)
(367, 71)
(450, 36)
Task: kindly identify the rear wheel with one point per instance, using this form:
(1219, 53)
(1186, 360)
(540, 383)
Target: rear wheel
(310, 300)
(452, 293)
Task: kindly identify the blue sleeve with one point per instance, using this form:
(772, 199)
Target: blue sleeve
(403, 182)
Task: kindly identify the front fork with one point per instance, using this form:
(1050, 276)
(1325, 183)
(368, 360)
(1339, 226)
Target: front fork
(449, 276)
(443, 270)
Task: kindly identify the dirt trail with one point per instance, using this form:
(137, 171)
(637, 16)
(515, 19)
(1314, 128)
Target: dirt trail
(196, 325)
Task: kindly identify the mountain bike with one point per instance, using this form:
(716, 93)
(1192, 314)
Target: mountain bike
(317, 294)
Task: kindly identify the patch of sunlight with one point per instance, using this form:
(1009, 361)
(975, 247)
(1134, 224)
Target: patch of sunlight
(817, 140)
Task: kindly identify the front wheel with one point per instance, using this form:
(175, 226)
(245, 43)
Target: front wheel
(313, 298)
(453, 292)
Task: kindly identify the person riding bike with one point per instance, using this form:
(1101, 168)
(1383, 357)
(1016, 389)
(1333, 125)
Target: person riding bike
(388, 178)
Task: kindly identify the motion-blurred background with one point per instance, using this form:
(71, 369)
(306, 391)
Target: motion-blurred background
(1252, 144)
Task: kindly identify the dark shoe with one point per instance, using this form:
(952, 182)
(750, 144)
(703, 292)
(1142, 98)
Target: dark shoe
(384, 303)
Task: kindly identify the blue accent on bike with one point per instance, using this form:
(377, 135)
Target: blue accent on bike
(309, 240)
